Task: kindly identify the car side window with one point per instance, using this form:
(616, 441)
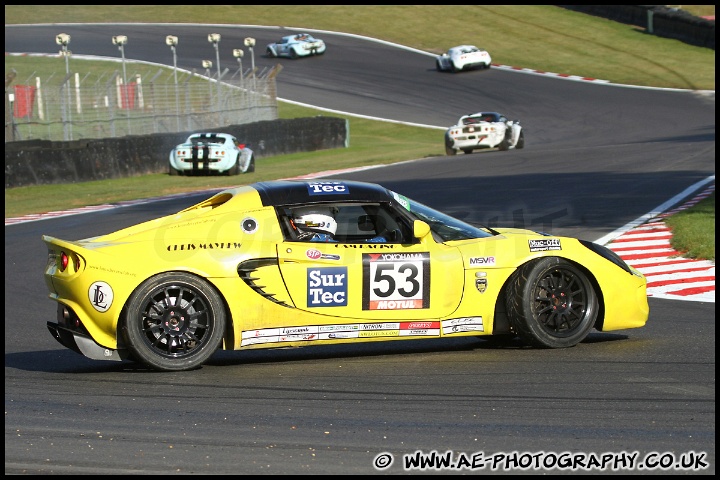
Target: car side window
(356, 223)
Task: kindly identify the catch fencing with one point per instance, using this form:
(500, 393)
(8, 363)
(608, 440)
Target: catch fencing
(90, 106)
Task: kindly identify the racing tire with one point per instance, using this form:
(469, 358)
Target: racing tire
(551, 303)
(505, 144)
(174, 321)
(438, 66)
(173, 172)
(269, 52)
(520, 141)
(251, 165)
(449, 150)
(293, 54)
(467, 151)
(235, 169)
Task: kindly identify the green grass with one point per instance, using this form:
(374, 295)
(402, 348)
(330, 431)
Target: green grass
(694, 230)
(538, 37)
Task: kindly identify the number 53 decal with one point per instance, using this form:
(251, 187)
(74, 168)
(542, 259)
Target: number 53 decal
(396, 281)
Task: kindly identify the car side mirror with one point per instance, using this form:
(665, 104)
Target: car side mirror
(420, 229)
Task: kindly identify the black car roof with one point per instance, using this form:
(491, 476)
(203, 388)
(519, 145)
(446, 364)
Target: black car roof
(299, 192)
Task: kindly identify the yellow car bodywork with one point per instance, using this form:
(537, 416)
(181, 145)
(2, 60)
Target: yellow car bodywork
(278, 292)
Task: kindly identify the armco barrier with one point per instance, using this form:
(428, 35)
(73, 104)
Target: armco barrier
(44, 162)
(660, 20)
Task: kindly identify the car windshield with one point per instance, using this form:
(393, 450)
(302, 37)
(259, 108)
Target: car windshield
(446, 227)
(208, 140)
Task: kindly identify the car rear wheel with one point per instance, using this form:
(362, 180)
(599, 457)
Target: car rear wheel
(505, 144)
(251, 165)
(235, 169)
(174, 321)
(551, 303)
(467, 150)
(293, 53)
(270, 53)
(521, 141)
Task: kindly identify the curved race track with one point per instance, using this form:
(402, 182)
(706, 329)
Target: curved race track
(597, 157)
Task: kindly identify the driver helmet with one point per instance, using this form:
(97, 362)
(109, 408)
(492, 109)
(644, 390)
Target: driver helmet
(315, 219)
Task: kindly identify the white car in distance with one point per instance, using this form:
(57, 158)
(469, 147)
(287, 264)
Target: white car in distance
(463, 57)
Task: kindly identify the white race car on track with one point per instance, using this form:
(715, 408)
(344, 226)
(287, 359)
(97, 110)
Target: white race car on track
(298, 45)
(211, 153)
(463, 57)
(484, 130)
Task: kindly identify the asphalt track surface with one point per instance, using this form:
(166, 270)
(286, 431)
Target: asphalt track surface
(597, 158)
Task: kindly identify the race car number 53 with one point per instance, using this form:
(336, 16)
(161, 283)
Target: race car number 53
(396, 281)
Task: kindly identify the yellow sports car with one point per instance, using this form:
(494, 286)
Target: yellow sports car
(296, 263)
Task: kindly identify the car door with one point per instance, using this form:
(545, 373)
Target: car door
(405, 279)
(284, 46)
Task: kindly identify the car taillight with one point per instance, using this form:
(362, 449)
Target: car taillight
(65, 262)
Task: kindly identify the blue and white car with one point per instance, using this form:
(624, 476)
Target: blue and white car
(463, 57)
(484, 130)
(211, 153)
(296, 46)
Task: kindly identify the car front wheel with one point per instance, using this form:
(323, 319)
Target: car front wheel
(174, 321)
(551, 303)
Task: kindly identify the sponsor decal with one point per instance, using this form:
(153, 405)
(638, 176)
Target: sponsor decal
(298, 330)
(111, 270)
(403, 201)
(276, 335)
(464, 328)
(544, 244)
(337, 328)
(366, 246)
(297, 338)
(380, 326)
(203, 246)
(249, 225)
(481, 284)
(379, 333)
(412, 325)
(338, 335)
(421, 328)
(327, 188)
(101, 296)
(464, 324)
(315, 254)
(396, 281)
(420, 333)
(482, 261)
(327, 287)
